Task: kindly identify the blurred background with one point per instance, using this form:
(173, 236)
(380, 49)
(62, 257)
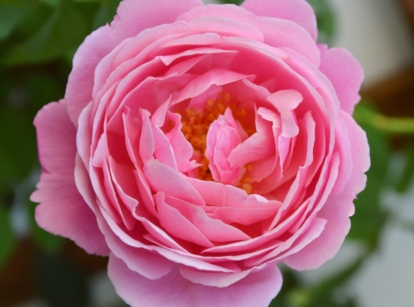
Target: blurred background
(375, 266)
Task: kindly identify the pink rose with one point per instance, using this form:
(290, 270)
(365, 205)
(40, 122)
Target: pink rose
(199, 146)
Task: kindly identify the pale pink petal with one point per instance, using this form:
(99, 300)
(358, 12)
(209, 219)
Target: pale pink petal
(62, 210)
(298, 11)
(345, 73)
(257, 289)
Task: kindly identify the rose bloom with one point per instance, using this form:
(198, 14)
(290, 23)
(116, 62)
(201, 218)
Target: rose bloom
(200, 146)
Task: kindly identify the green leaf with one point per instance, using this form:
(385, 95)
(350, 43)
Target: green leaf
(65, 29)
(7, 239)
(52, 3)
(9, 19)
(60, 281)
(17, 145)
(408, 172)
(47, 242)
(17, 3)
(323, 291)
(237, 2)
(325, 19)
(369, 217)
(105, 13)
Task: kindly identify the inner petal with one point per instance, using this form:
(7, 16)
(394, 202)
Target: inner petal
(214, 132)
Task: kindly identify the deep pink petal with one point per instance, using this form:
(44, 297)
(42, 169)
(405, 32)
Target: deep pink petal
(257, 289)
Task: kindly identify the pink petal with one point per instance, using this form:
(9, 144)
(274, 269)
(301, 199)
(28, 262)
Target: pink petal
(226, 27)
(203, 82)
(276, 32)
(258, 146)
(144, 262)
(81, 80)
(182, 149)
(285, 102)
(297, 242)
(163, 178)
(173, 222)
(134, 16)
(222, 137)
(214, 229)
(298, 11)
(360, 154)
(345, 73)
(336, 211)
(62, 210)
(257, 289)
(213, 279)
(146, 142)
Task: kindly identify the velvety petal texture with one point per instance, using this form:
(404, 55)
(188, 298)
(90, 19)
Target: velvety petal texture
(200, 146)
(62, 210)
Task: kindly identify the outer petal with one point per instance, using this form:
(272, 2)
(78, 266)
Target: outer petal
(133, 17)
(81, 80)
(298, 11)
(345, 73)
(257, 289)
(336, 211)
(360, 153)
(62, 210)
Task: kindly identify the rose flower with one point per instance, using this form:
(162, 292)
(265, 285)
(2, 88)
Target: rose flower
(199, 146)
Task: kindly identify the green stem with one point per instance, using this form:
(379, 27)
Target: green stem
(393, 125)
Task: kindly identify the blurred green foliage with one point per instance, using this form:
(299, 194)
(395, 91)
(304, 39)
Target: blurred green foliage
(38, 39)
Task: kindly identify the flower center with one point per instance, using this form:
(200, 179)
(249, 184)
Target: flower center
(195, 126)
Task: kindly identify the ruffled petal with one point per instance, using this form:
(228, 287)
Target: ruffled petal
(298, 11)
(62, 210)
(256, 289)
(345, 73)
